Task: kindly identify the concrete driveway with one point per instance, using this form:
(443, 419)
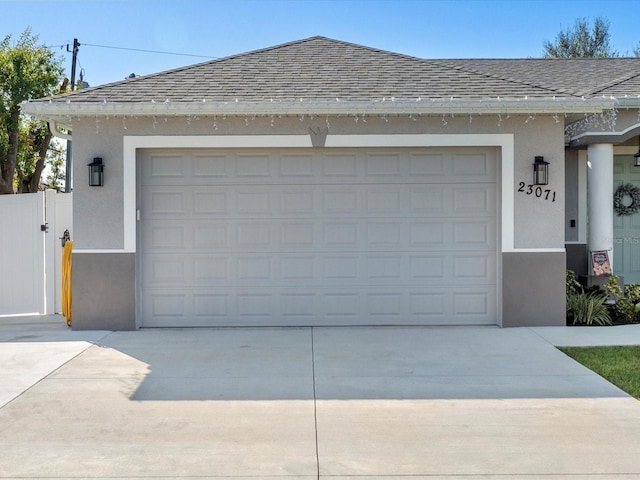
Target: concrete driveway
(308, 403)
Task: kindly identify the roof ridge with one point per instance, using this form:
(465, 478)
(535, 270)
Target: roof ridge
(615, 82)
(504, 77)
(197, 65)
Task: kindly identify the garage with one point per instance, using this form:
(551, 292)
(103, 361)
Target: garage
(300, 237)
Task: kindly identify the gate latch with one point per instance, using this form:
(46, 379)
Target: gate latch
(65, 237)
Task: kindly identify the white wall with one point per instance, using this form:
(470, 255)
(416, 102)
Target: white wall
(28, 254)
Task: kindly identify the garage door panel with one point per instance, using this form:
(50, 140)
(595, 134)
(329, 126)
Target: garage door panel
(299, 268)
(387, 165)
(210, 203)
(232, 168)
(357, 270)
(318, 237)
(211, 270)
(474, 200)
(210, 236)
(298, 235)
(373, 306)
(477, 234)
(366, 201)
(255, 201)
(300, 200)
(166, 236)
(252, 235)
(339, 165)
(164, 166)
(254, 165)
(427, 165)
(476, 167)
(210, 166)
(296, 166)
(168, 203)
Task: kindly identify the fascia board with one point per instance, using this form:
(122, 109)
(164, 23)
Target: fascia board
(526, 106)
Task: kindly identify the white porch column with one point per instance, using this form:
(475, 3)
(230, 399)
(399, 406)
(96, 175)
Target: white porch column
(600, 197)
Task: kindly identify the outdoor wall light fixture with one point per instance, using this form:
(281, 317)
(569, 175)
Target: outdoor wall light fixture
(96, 172)
(540, 171)
(636, 157)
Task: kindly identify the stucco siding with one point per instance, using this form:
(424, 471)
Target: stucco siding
(104, 291)
(99, 211)
(536, 218)
(533, 289)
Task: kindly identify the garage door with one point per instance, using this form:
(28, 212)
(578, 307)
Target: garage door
(317, 237)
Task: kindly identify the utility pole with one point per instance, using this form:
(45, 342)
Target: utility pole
(67, 179)
(74, 57)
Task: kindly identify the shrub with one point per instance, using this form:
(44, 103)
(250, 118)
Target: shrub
(625, 299)
(585, 308)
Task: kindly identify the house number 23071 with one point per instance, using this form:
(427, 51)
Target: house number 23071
(539, 192)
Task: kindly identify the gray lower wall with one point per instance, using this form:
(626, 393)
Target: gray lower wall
(104, 291)
(533, 289)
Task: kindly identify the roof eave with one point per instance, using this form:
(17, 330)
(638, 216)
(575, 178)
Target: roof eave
(452, 106)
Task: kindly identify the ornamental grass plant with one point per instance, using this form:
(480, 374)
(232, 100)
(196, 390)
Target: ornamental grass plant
(585, 307)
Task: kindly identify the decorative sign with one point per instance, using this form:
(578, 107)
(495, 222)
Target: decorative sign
(600, 263)
(537, 191)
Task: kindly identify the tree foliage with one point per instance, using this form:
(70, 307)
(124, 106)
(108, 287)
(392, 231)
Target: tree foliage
(56, 163)
(33, 144)
(582, 41)
(27, 70)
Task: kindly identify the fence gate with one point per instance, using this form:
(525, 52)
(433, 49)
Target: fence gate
(30, 252)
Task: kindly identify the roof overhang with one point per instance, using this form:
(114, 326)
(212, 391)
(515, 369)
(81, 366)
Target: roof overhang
(63, 111)
(606, 127)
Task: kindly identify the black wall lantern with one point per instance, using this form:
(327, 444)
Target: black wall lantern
(96, 173)
(540, 172)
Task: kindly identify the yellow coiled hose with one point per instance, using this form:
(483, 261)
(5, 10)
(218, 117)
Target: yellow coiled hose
(66, 280)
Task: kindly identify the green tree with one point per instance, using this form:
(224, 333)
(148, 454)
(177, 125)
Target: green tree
(34, 138)
(27, 70)
(56, 163)
(582, 41)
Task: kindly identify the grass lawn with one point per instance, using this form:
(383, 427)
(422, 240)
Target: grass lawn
(619, 365)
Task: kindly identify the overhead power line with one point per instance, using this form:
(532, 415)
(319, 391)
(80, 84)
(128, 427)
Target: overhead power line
(147, 51)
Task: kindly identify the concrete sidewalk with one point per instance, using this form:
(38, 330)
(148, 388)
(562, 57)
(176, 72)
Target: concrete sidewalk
(308, 403)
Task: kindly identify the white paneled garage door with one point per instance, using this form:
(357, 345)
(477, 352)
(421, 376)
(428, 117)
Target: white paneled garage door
(317, 237)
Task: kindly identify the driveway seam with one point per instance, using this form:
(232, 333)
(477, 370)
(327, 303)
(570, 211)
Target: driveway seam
(315, 404)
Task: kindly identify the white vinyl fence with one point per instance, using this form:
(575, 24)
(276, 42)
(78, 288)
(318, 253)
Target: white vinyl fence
(31, 225)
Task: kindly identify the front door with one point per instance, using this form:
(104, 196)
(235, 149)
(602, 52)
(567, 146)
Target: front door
(626, 228)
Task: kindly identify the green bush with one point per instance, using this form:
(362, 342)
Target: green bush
(624, 306)
(585, 308)
(588, 309)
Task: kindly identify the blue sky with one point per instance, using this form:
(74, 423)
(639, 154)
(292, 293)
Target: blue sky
(217, 28)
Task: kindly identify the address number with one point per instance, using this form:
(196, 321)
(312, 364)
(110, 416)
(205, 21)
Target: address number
(537, 191)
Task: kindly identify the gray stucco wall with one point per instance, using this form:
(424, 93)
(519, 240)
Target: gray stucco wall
(104, 291)
(533, 289)
(98, 211)
(105, 284)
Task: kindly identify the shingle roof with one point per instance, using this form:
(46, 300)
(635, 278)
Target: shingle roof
(588, 77)
(323, 69)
